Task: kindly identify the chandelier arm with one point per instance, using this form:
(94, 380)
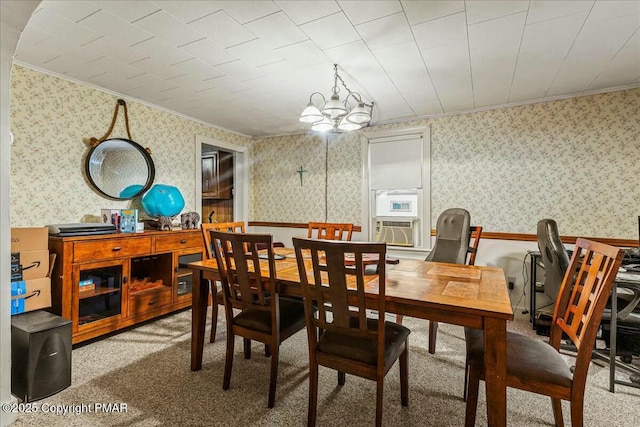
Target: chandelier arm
(324, 100)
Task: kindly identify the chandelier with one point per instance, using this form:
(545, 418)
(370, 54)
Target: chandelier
(336, 115)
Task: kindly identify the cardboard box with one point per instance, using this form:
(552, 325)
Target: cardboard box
(33, 265)
(29, 295)
(33, 294)
(29, 239)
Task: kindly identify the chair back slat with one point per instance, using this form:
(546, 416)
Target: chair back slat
(583, 295)
(229, 227)
(475, 232)
(330, 231)
(245, 277)
(337, 287)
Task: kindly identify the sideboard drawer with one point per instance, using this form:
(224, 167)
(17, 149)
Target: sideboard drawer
(146, 301)
(176, 241)
(112, 248)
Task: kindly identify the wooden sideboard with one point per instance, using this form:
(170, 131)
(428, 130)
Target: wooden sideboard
(108, 282)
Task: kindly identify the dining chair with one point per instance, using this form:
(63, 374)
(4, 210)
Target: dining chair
(330, 231)
(539, 367)
(341, 335)
(249, 286)
(207, 228)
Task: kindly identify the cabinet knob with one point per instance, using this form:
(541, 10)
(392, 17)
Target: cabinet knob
(183, 241)
(117, 248)
(124, 280)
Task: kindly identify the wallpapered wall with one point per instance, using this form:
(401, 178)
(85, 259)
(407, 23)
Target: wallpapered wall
(50, 117)
(575, 160)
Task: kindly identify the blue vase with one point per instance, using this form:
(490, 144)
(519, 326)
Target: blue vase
(162, 200)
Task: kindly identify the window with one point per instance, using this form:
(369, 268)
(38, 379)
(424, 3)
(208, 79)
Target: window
(396, 188)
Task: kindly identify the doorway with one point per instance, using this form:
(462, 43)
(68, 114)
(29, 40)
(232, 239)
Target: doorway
(221, 181)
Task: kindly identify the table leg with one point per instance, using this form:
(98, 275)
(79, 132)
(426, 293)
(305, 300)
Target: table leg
(199, 298)
(613, 337)
(495, 368)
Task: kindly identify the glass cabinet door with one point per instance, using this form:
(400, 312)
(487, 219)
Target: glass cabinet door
(99, 289)
(184, 276)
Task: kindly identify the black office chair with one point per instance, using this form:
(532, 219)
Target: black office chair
(452, 237)
(555, 258)
(453, 233)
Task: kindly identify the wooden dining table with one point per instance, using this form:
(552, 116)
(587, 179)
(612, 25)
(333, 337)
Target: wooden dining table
(471, 296)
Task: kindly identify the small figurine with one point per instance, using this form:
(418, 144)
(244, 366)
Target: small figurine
(189, 220)
(164, 223)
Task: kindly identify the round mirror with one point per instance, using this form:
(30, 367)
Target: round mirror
(119, 169)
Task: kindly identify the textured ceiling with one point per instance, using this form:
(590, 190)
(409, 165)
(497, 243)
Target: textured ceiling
(250, 66)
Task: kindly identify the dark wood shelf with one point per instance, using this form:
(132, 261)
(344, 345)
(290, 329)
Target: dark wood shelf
(99, 290)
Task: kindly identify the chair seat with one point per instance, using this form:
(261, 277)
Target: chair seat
(291, 312)
(524, 355)
(362, 349)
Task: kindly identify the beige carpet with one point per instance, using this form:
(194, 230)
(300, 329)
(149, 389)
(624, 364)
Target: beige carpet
(147, 368)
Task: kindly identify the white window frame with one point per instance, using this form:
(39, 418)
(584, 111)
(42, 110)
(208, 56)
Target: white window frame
(367, 202)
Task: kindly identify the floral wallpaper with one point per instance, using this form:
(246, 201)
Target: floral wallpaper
(51, 116)
(575, 160)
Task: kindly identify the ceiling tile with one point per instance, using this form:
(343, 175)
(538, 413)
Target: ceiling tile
(624, 68)
(162, 51)
(157, 68)
(609, 9)
(418, 91)
(71, 10)
(222, 29)
(49, 22)
(187, 11)
(302, 54)
(440, 32)
(544, 10)
(31, 36)
(494, 64)
(168, 28)
(422, 11)
(130, 11)
(553, 36)
(110, 25)
(208, 52)
(197, 69)
(331, 31)
(240, 70)
(427, 109)
(256, 53)
(485, 10)
(365, 11)
(497, 30)
(114, 49)
(302, 12)
(410, 68)
(610, 34)
(73, 68)
(288, 33)
(115, 67)
(247, 11)
(387, 31)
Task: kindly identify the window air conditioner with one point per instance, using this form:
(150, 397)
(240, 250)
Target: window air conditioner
(395, 232)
